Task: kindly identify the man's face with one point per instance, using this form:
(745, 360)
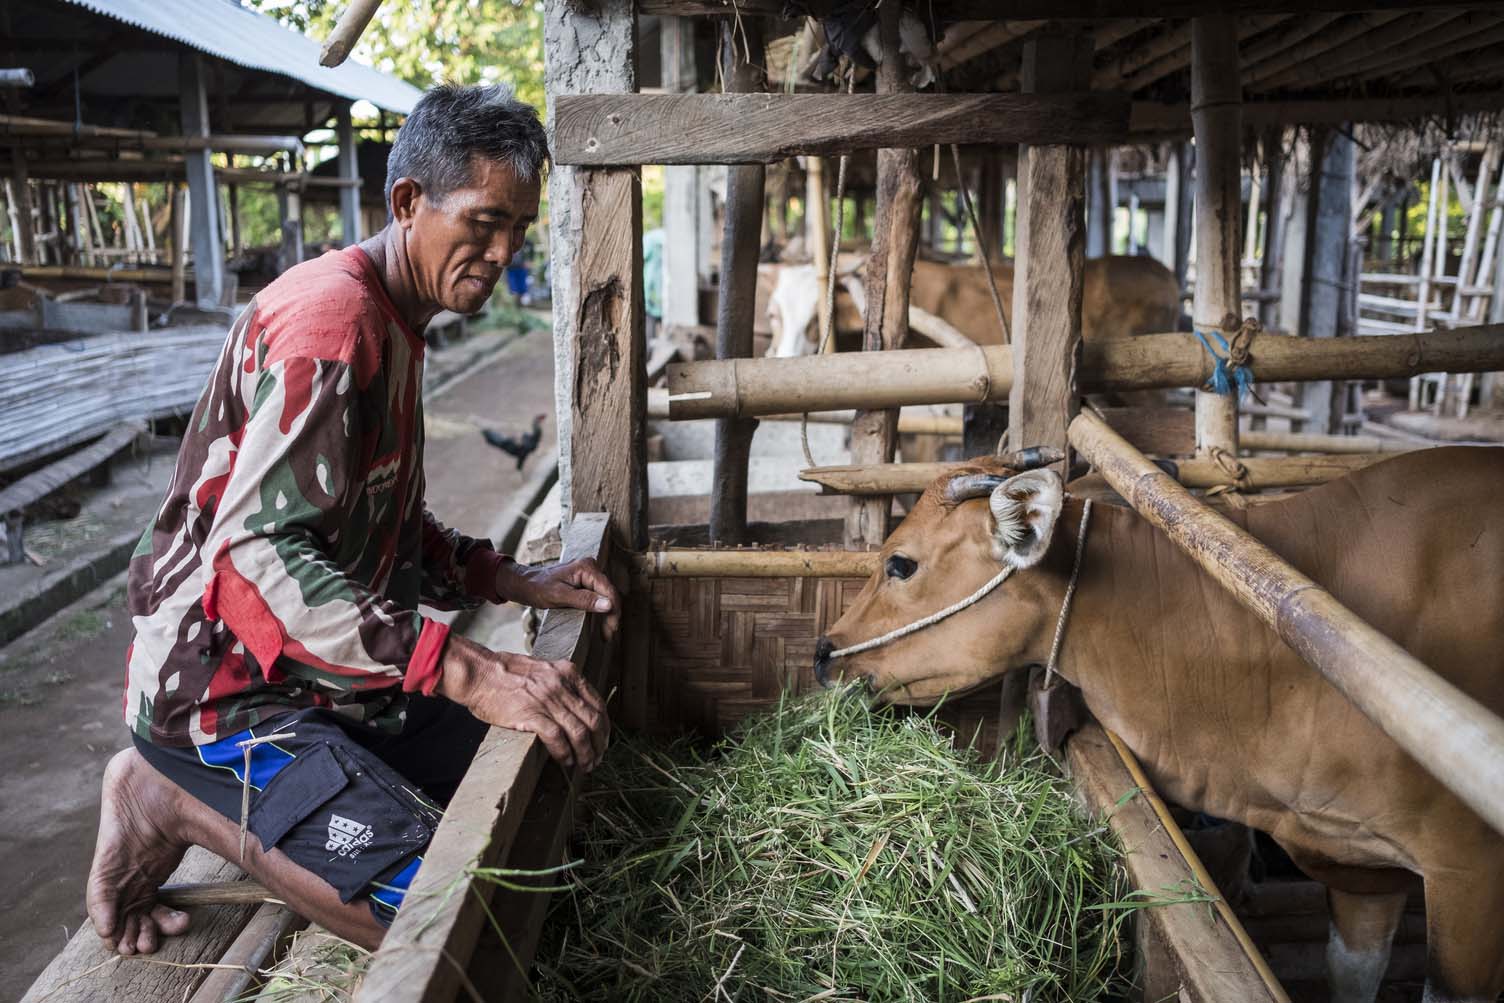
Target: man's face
(459, 244)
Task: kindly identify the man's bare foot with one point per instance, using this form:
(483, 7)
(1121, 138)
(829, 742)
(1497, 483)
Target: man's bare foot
(138, 847)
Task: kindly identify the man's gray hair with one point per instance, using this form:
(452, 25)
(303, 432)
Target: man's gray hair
(453, 123)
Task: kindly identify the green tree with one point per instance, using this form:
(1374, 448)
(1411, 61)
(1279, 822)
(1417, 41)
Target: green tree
(437, 41)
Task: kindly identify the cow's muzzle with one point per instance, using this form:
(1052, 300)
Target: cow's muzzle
(823, 648)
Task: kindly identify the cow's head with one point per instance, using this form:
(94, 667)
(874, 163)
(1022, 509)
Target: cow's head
(793, 307)
(965, 528)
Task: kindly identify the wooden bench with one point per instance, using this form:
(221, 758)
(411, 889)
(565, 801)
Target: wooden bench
(37, 485)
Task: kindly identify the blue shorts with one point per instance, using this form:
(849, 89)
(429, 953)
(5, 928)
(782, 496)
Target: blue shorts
(343, 801)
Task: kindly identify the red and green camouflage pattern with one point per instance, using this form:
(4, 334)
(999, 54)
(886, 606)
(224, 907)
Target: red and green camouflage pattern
(286, 565)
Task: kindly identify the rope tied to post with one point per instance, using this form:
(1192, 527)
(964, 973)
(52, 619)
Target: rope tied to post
(1233, 368)
(1233, 468)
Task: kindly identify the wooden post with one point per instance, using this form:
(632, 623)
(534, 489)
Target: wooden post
(681, 244)
(18, 197)
(1174, 195)
(349, 170)
(1327, 233)
(290, 218)
(232, 197)
(739, 247)
(1185, 211)
(895, 239)
(178, 225)
(1050, 259)
(1273, 146)
(990, 207)
(208, 248)
(600, 358)
(1216, 116)
(1101, 202)
(817, 228)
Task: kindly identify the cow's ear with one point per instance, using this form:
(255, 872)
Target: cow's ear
(1024, 509)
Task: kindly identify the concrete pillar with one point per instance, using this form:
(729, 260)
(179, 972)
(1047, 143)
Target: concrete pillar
(205, 239)
(349, 169)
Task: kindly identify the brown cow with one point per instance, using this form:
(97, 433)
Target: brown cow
(1226, 718)
(1123, 296)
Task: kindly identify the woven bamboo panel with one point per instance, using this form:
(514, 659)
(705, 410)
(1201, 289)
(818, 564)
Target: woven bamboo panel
(717, 649)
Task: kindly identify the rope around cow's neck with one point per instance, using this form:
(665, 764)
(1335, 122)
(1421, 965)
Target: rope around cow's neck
(978, 596)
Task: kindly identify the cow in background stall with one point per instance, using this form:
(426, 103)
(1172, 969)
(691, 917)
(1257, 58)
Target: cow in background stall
(1123, 296)
(1225, 717)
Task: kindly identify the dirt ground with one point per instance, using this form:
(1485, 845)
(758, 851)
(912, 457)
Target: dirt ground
(61, 682)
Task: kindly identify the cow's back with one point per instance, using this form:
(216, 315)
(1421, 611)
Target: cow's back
(1415, 547)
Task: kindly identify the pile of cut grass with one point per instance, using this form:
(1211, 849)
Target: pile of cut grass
(828, 851)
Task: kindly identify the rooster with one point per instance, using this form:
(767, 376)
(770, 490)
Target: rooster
(520, 446)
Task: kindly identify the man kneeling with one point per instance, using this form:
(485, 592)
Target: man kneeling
(277, 590)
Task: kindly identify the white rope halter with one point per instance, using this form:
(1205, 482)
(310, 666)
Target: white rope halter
(978, 596)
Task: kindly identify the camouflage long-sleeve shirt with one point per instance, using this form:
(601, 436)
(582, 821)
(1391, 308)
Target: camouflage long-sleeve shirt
(285, 567)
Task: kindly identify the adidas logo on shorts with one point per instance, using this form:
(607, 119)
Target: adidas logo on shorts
(348, 837)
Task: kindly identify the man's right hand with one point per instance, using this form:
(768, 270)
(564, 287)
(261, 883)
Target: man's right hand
(550, 699)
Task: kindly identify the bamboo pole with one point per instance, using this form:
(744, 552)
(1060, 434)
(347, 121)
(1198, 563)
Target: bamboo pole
(1216, 116)
(748, 387)
(347, 31)
(22, 125)
(1313, 443)
(1423, 297)
(1253, 473)
(756, 563)
(1449, 733)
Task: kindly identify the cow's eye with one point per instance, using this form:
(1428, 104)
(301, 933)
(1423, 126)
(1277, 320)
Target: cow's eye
(901, 567)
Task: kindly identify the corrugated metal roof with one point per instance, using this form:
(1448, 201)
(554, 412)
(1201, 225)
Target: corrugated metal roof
(225, 29)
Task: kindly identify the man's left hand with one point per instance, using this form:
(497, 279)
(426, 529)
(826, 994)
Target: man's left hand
(576, 585)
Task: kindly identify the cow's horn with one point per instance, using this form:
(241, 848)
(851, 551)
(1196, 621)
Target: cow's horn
(964, 486)
(1031, 458)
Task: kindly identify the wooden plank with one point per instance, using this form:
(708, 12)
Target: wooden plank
(1051, 257)
(608, 400)
(1458, 740)
(501, 971)
(981, 10)
(444, 910)
(1192, 952)
(885, 325)
(87, 972)
(619, 129)
(43, 482)
(1158, 430)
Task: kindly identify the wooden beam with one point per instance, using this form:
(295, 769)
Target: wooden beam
(1413, 33)
(741, 240)
(631, 129)
(1333, 162)
(18, 198)
(1156, 118)
(1457, 739)
(885, 324)
(1301, 442)
(945, 376)
(441, 918)
(1341, 34)
(22, 125)
(336, 48)
(596, 252)
(1216, 97)
(1175, 61)
(1050, 257)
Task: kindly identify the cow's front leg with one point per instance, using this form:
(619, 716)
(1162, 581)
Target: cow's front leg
(1357, 949)
(1465, 932)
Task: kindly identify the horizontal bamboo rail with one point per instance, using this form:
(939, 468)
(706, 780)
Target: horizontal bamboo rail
(755, 563)
(749, 387)
(1259, 472)
(1449, 733)
(1314, 443)
(909, 423)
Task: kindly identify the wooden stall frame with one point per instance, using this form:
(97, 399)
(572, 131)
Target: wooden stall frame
(446, 907)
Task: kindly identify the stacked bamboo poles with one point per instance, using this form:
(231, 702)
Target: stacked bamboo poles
(1449, 733)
